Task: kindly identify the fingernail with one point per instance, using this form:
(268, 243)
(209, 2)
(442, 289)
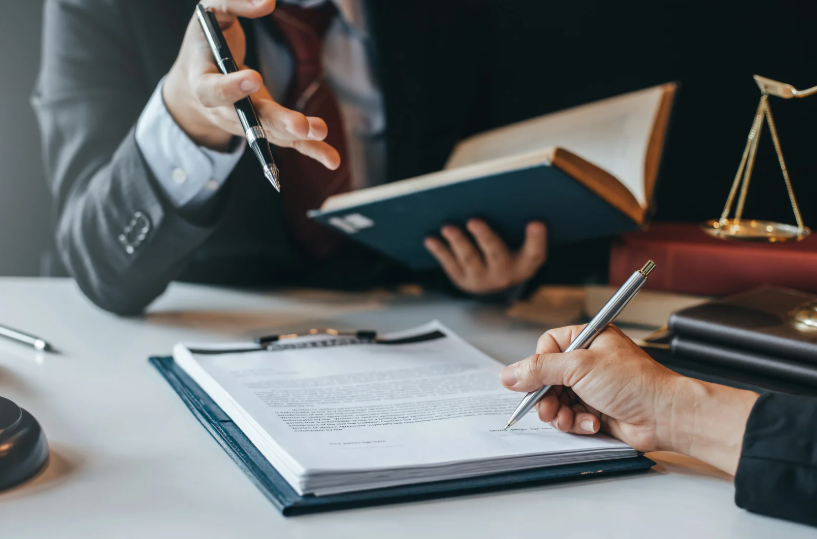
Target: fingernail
(257, 2)
(587, 426)
(556, 423)
(248, 86)
(508, 375)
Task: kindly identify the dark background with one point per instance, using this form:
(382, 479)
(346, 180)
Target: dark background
(593, 49)
(547, 56)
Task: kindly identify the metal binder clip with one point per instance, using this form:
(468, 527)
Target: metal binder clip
(363, 334)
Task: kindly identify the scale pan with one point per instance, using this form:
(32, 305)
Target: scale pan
(753, 230)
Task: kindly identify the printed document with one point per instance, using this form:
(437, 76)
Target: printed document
(338, 414)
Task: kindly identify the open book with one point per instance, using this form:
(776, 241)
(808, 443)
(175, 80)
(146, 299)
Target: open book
(588, 171)
(335, 414)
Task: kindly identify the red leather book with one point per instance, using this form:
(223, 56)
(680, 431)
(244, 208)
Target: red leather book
(690, 261)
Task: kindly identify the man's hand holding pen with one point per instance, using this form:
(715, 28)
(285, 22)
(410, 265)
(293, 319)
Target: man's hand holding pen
(200, 98)
(203, 101)
(616, 388)
(587, 394)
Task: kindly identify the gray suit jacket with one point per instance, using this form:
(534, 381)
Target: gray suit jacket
(118, 236)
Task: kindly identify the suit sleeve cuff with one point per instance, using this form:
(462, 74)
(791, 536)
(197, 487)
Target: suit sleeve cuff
(777, 472)
(188, 174)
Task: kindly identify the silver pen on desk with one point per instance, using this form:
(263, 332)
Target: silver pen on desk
(24, 338)
(605, 316)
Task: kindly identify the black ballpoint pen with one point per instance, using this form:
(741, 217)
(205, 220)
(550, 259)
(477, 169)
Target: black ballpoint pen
(256, 136)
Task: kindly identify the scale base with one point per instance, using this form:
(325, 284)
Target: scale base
(753, 230)
(807, 315)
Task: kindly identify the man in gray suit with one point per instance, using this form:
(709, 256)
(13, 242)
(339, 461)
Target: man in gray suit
(150, 175)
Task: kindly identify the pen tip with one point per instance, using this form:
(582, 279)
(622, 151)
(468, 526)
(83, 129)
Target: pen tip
(271, 172)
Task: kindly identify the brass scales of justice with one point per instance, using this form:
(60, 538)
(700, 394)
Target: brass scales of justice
(737, 228)
(741, 229)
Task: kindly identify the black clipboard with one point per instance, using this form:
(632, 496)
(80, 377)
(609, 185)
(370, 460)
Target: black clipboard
(290, 503)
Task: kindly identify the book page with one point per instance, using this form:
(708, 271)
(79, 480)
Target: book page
(437, 179)
(613, 134)
(359, 413)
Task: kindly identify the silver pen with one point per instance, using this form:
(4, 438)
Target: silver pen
(605, 316)
(24, 338)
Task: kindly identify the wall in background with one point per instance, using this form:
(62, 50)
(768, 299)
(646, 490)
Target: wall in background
(596, 48)
(25, 203)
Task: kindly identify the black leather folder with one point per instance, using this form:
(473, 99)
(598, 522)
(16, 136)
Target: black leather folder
(290, 503)
(734, 358)
(754, 332)
(729, 376)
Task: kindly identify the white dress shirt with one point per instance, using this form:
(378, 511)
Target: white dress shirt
(191, 174)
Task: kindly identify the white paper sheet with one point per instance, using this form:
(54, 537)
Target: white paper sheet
(614, 134)
(334, 418)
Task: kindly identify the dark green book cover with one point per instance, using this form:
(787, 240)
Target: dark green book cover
(507, 201)
(559, 168)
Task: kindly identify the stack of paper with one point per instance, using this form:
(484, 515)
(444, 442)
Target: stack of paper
(336, 415)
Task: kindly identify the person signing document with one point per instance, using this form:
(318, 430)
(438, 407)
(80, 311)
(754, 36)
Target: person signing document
(768, 442)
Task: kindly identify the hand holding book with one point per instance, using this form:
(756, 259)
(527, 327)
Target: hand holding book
(586, 172)
(487, 265)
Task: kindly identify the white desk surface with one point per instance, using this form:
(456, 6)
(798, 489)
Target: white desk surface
(129, 459)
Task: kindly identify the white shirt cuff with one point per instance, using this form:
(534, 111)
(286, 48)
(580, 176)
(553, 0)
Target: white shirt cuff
(187, 173)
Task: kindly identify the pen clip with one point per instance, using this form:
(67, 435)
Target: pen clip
(206, 20)
(361, 334)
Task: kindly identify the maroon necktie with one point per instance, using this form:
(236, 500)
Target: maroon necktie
(305, 182)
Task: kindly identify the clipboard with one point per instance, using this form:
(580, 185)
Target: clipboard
(290, 503)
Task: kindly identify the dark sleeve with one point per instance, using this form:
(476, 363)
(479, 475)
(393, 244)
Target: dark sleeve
(777, 473)
(115, 233)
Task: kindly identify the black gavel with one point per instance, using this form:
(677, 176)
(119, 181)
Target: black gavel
(23, 447)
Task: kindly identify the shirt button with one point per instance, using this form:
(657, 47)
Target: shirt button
(211, 185)
(179, 175)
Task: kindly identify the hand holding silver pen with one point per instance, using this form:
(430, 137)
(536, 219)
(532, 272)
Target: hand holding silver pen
(605, 316)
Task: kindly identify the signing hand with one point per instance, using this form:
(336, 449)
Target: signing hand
(615, 387)
(200, 98)
(489, 266)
